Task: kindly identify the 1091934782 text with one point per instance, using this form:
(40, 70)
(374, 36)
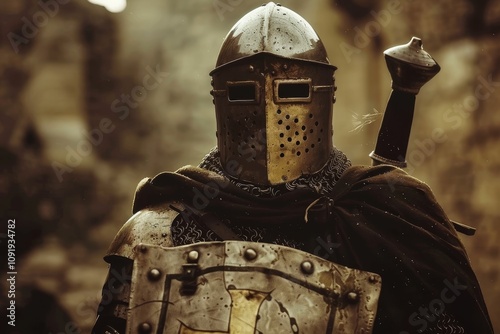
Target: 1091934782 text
(11, 272)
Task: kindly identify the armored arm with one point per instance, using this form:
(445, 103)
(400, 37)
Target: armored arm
(149, 226)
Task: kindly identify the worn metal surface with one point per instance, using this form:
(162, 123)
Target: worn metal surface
(274, 29)
(245, 287)
(286, 131)
(149, 226)
(273, 91)
(410, 66)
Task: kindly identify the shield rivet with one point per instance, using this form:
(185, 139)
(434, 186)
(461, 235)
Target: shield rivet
(143, 248)
(145, 328)
(250, 254)
(193, 256)
(307, 267)
(372, 279)
(154, 274)
(352, 297)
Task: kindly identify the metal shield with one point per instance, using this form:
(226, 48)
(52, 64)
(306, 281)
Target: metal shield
(246, 287)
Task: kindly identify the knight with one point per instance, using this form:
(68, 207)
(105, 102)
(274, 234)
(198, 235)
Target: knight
(275, 231)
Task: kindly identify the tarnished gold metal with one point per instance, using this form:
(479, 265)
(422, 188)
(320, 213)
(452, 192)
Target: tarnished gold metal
(273, 139)
(298, 130)
(282, 129)
(270, 294)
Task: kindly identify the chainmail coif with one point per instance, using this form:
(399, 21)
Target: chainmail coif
(322, 181)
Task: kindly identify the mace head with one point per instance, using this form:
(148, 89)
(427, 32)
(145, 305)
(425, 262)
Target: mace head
(410, 66)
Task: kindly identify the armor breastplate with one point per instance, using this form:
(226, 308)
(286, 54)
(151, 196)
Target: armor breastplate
(247, 287)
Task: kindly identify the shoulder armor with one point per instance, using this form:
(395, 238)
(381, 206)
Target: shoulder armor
(149, 226)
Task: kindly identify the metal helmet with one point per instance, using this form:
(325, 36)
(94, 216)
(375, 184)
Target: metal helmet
(273, 89)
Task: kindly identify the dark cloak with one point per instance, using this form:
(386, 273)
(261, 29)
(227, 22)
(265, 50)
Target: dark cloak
(381, 220)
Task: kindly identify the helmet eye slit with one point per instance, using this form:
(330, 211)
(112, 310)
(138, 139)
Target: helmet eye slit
(242, 91)
(292, 90)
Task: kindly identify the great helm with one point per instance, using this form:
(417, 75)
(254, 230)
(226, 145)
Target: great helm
(273, 90)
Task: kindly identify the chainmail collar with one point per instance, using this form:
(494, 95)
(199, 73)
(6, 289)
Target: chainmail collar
(322, 181)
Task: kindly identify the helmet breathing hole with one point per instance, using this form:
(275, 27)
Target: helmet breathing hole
(297, 143)
(282, 145)
(282, 155)
(303, 127)
(296, 120)
(282, 135)
(289, 139)
(278, 111)
(307, 150)
(288, 127)
(287, 116)
(304, 138)
(310, 115)
(298, 153)
(280, 122)
(316, 123)
(296, 133)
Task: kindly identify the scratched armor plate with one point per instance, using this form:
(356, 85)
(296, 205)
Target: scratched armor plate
(246, 288)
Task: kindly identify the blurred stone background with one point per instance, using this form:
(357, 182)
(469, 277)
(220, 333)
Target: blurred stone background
(91, 101)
